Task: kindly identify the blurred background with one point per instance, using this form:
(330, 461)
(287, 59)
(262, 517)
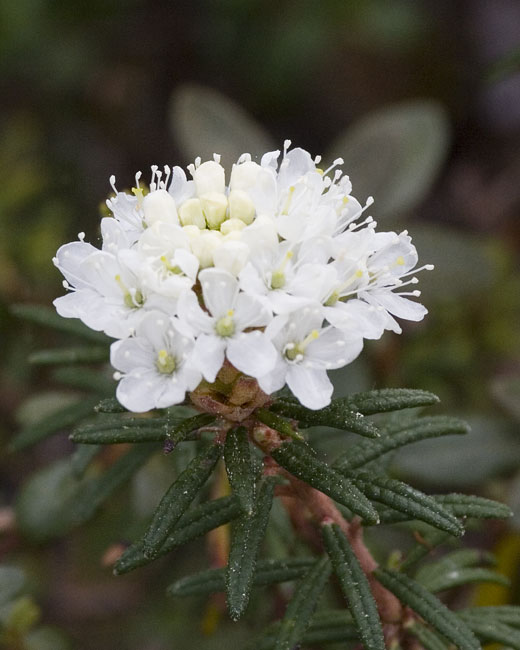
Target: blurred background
(421, 99)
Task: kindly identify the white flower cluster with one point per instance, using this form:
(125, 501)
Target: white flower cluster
(277, 271)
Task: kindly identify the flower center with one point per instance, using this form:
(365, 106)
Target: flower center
(295, 350)
(225, 326)
(278, 276)
(165, 363)
(170, 267)
(133, 298)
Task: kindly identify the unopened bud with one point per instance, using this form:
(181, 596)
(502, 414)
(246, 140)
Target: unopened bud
(160, 206)
(209, 177)
(241, 207)
(232, 225)
(214, 206)
(190, 214)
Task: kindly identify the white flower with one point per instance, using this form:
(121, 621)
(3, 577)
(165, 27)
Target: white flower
(306, 351)
(221, 332)
(154, 365)
(274, 268)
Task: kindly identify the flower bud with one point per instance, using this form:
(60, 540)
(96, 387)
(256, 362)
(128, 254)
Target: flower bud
(204, 246)
(214, 207)
(209, 177)
(232, 225)
(190, 213)
(241, 207)
(231, 256)
(159, 206)
(244, 175)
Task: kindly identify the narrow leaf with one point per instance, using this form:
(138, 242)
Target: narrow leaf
(431, 609)
(428, 638)
(338, 417)
(247, 534)
(508, 614)
(240, 470)
(465, 505)
(57, 421)
(387, 399)
(100, 488)
(327, 626)
(193, 523)
(429, 541)
(404, 498)
(299, 461)
(82, 457)
(182, 430)
(177, 499)
(117, 436)
(110, 405)
(459, 577)
(278, 423)
(84, 354)
(267, 572)
(366, 451)
(302, 605)
(355, 587)
(49, 318)
(453, 561)
(493, 631)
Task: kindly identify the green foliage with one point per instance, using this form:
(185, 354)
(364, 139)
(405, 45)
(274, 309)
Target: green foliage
(177, 499)
(248, 533)
(260, 468)
(355, 587)
(302, 605)
(431, 609)
(300, 461)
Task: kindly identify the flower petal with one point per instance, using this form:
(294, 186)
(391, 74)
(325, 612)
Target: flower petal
(220, 290)
(252, 353)
(312, 387)
(208, 355)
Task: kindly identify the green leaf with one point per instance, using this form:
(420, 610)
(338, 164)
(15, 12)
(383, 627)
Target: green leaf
(465, 505)
(12, 581)
(429, 541)
(459, 577)
(110, 405)
(490, 448)
(239, 467)
(177, 499)
(327, 626)
(52, 423)
(386, 400)
(82, 457)
(193, 523)
(84, 354)
(454, 561)
(247, 534)
(335, 416)
(431, 609)
(395, 154)
(204, 122)
(299, 461)
(125, 434)
(493, 631)
(508, 614)
(278, 423)
(355, 587)
(366, 451)
(267, 572)
(427, 637)
(302, 605)
(49, 318)
(98, 489)
(405, 499)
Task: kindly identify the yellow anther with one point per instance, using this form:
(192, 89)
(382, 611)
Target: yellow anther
(345, 199)
(231, 312)
(315, 334)
(400, 260)
(165, 363)
(289, 254)
(319, 170)
(359, 274)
